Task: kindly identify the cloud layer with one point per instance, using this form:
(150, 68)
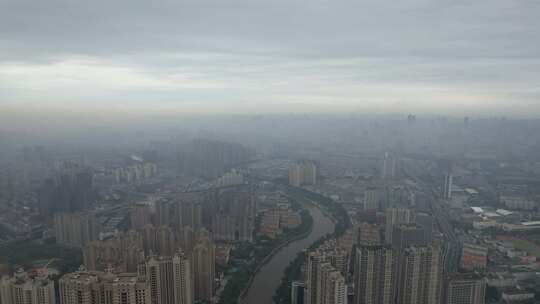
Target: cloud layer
(256, 56)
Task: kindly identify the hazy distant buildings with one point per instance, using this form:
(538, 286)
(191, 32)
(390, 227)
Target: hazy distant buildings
(140, 216)
(69, 190)
(210, 159)
(396, 216)
(76, 229)
(124, 252)
(371, 199)
(26, 288)
(135, 173)
(231, 178)
(303, 173)
(233, 217)
(181, 211)
(390, 166)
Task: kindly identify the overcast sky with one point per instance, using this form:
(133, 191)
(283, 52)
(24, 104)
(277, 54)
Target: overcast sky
(444, 56)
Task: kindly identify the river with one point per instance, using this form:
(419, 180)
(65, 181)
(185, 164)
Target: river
(267, 280)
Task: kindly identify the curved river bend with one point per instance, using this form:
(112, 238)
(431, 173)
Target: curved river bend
(267, 280)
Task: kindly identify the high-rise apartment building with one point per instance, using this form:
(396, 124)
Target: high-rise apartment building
(70, 189)
(447, 186)
(123, 252)
(231, 178)
(187, 212)
(94, 287)
(405, 235)
(326, 269)
(170, 279)
(464, 288)
(369, 234)
(396, 216)
(233, 217)
(140, 216)
(183, 280)
(303, 173)
(297, 292)
(389, 166)
(375, 275)
(331, 287)
(163, 210)
(76, 229)
(420, 275)
(371, 199)
(24, 288)
(204, 256)
(314, 260)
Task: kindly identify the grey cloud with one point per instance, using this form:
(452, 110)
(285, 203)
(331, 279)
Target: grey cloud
(255, 49)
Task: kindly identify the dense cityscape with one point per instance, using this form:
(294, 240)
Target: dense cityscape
(402, 210)
(270, 152)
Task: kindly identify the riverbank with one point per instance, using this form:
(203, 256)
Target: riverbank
(268, 279)
(260, 253)
(338, 215)
(269, 257)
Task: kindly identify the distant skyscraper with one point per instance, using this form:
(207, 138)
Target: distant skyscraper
(163, 212)
(464, 288)
(140, 216)
(426, 221)
(375, 275)
(69, 190)
(187, 212)
(396, 216)
(76, 229)
(371, 199)
(303, 173)
(390, 166)
(447, 186)
(165, 241)
(231, 178)
(204, 256)
(420, 275)
(234, 215)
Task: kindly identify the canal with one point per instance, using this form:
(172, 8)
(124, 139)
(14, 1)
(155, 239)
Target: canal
(267, 280)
